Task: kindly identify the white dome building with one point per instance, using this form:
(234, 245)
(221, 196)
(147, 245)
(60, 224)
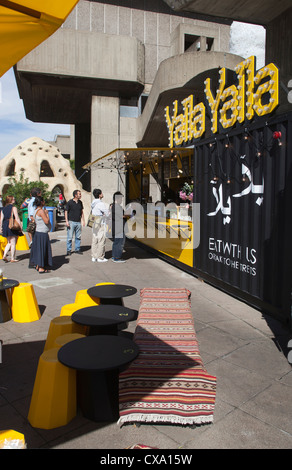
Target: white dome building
(38, 160)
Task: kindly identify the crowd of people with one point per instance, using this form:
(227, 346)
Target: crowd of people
(38, 227)
(113, 215)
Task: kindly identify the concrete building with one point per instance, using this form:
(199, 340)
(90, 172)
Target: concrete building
(65, 144)
(109, 70)
(112, 67)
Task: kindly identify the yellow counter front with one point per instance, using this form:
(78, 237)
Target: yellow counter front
(171, 237)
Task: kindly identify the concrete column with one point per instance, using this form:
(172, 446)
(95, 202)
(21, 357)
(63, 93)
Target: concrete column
(203, 43)
(105, 130)
(82, 153)
(279, 43)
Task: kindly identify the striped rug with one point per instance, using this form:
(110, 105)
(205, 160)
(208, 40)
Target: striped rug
(167, 382)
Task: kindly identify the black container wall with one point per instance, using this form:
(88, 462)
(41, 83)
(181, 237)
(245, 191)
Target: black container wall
(243, 183)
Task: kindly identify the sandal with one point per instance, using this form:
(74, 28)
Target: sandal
(42, 272)
(6, 260)
(14, 261)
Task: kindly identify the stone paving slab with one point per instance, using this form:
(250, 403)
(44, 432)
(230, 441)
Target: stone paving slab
(246, 350)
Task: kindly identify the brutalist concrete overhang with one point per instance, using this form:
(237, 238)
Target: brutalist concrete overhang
(66, 99)
(249, 11)
(57, 80)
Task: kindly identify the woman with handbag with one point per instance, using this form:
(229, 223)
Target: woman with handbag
(10, 227)
(41, 252)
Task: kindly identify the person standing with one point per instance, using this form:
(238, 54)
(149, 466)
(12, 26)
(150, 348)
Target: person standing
(41, 252)
(30, 213)
(118, 234)
(11, 235)
(74, 217)
(99, 209)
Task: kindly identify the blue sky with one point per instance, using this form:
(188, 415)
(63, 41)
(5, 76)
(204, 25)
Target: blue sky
(245, 40)
(14, 127)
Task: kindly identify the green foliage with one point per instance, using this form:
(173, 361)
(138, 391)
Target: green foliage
(21, 189)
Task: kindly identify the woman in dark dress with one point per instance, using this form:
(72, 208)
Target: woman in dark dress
(41, 252)
(11, 235)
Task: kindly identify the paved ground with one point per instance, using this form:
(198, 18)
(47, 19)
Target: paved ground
(246, 351)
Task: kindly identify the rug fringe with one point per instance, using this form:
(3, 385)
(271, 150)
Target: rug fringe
(151, 418)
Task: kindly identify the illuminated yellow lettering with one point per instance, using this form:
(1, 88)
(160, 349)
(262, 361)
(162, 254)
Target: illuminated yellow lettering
(171, 123)
(179, 132)
(229, 111)
(214, 102)
(255, 93)
(197, 121)
(188, 107)
(267, 79)
(245, 74)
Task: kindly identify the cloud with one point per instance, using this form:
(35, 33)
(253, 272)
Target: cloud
(247, 40)
(14, 127)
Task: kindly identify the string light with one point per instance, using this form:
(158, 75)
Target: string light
(261, 147)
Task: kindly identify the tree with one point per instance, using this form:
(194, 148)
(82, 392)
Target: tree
(21, 189)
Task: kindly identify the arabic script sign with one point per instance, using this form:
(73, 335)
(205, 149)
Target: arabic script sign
(255, 94)
(250, 188)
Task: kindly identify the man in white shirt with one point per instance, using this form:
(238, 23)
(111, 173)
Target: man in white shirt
(99, 209)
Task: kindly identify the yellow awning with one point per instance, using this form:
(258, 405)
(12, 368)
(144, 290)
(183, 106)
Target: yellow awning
(25, 24)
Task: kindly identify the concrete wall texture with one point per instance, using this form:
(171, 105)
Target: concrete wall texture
(157, 31)
(113, 52)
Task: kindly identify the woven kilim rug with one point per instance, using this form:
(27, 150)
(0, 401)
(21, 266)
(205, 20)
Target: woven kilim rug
(167, 382)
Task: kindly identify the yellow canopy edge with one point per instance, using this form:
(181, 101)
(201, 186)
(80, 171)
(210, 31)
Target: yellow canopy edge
(25, 24)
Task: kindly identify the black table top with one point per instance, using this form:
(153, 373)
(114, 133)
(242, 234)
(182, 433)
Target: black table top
(8, 284)
(104, 315)
(111, 291)
(98, 353)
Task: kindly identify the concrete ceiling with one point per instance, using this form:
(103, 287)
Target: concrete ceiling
(249, 11)
(66, 99)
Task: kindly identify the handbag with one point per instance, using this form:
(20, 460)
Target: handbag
(13, 224)
(91, 220)
(31, 226)
(94, 221)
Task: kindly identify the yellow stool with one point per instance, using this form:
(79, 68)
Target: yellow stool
(104, 283)
(10, 439)
(64, 339)
(68, 309)
(53, 401)
(24, 306)
(3, 242)
(85, 300)
(21, 244)
(62, 326)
